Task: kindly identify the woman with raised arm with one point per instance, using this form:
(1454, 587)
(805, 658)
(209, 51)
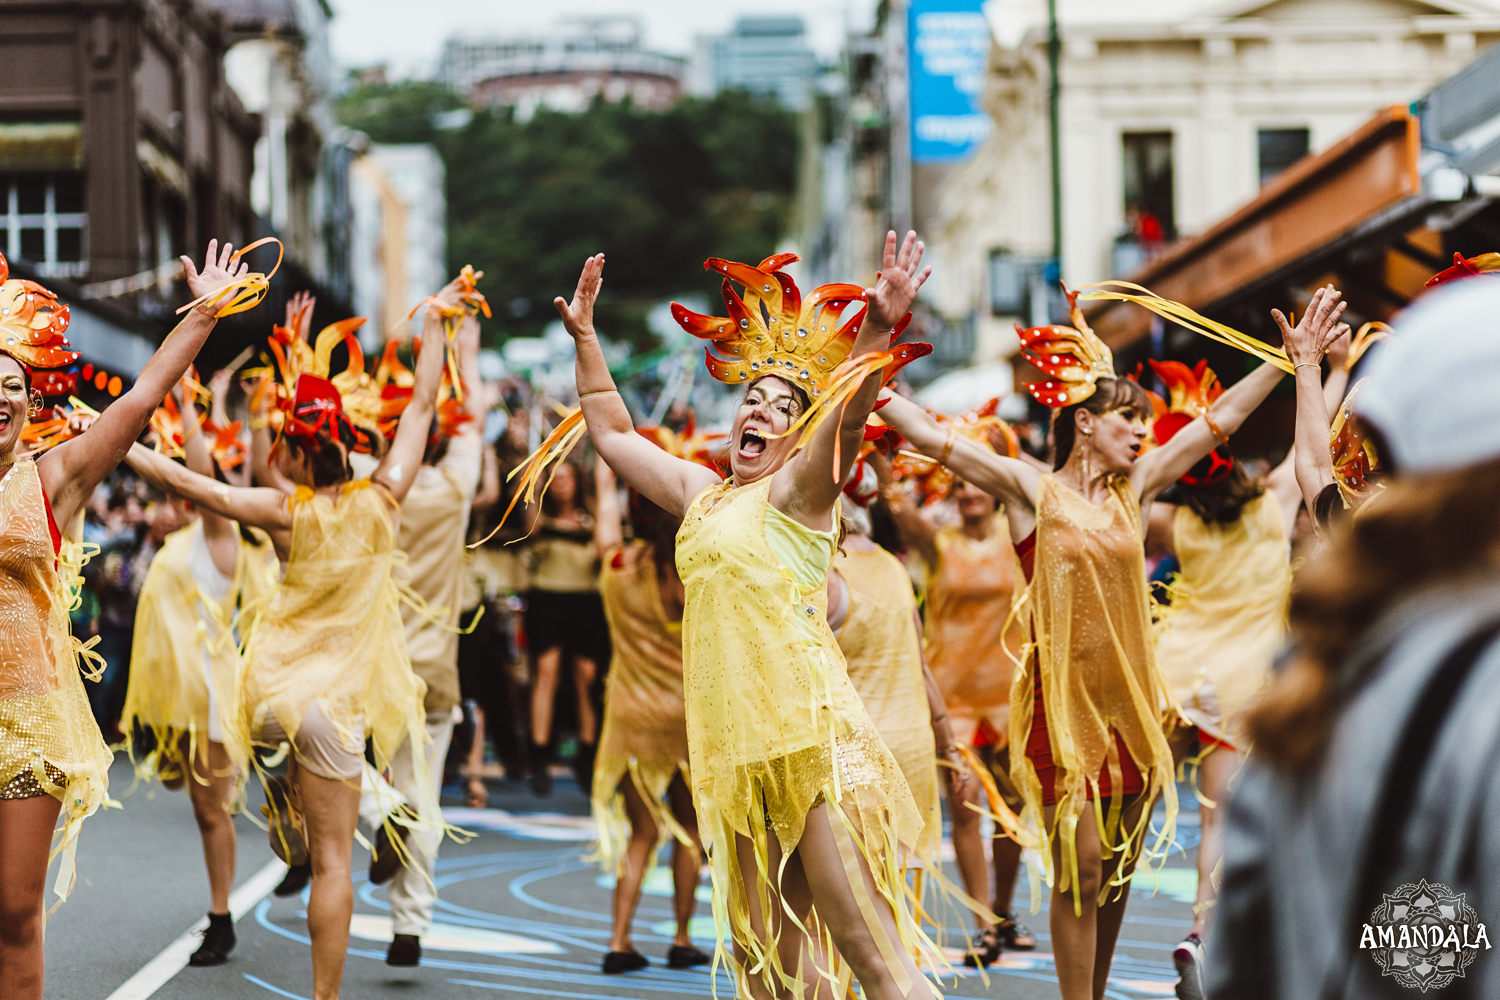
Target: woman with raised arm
(799, 802)
(327, 664)
(642, 770)
(185, 661)
(1090, 705)
(51, 752)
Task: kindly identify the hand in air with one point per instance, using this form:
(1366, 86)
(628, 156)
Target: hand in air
(466, 341)
(901, 275)
(219, 269)
(1320, 327)
(299, 313)
(578, 315)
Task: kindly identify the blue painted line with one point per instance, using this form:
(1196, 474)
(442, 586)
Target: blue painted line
(518, 890)
(274, 989)
(524, 989)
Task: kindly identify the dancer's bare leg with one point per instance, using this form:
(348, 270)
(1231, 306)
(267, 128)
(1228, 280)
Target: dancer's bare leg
(543, 694)
(1075, 936)
(1215, 771)
(686, 861)
(210, 789)
(643, 834)
(1007, 864)
(26, 827)
(477, 794)
(584, 672)
(1112, 913)
(330, 809)
(968, 847)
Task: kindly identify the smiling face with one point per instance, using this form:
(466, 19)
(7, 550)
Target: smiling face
(974, 504)
(14, 400)
(1115, 438)
(770, 406)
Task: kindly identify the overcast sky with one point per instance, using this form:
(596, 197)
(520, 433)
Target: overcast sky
(407, 35)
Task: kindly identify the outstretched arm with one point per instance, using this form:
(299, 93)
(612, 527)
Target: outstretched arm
(398, 470)
(667, 481)
(607, 530)
(71, 470)
(1158, 469)
(256, 505)
(1312, 462)
(219, 532)
(808, 486)
(917, 531)
(1013, 482)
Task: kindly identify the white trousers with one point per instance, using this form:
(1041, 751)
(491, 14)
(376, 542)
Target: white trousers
(410, 891)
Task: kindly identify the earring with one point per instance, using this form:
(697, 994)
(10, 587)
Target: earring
(36, 404)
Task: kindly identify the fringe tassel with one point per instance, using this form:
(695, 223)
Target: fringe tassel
(842, 384)
(563, 439)
(242, 293)
(1180, 314)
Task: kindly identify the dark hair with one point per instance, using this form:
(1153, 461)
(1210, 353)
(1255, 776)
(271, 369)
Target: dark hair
(1222, 502)
(327, 458)
(804, 401)
(1420, 532)
(650, 523)
(1109, 394)
(580, 494)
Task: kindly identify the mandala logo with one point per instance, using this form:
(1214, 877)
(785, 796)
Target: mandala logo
(1424, 935)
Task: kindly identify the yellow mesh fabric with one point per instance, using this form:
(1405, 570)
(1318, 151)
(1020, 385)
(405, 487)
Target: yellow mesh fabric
(1092, 623)
(175, 626)
(884, 657)
(332, 635)
(774, 725)
(46, 727)
(1227, 619)
(969, 595)
(645, 728)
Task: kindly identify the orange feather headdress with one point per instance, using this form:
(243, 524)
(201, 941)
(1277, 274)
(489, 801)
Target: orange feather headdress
(1485, 263)
(1354, 457)
(355, 401)
(1073, 358)
(1192, 391)
(33, 324)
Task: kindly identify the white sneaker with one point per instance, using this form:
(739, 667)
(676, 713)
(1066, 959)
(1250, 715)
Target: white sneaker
(1188, 957)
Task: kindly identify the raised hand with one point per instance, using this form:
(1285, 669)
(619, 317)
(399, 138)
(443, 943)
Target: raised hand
(898, 282)
(1320, 327)
(299, 313)
(219, 269)
(578, 315)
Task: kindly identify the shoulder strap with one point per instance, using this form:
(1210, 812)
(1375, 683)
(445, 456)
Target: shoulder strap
(1399, 789)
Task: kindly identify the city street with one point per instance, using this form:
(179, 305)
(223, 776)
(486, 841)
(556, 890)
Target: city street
(521, 912)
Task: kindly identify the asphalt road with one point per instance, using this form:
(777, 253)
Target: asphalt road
(521, 912)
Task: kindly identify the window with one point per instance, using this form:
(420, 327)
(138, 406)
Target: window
(43, 222)
(1149, 216)
(1279, 149)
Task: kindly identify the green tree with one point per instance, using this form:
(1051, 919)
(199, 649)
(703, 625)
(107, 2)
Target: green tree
(656, 192)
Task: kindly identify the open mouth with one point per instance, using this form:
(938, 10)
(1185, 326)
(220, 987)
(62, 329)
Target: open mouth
(4, 420)
(752, 443)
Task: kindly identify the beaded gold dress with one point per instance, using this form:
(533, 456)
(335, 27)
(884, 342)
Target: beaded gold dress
(1098, 676)
(1227, 619)
(969, 651)
(185, 657)
(775, 727)
(884, 658)
(644, 736)
(331, 635)
(49, 742)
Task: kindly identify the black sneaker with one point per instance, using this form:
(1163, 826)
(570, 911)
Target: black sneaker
(1188, 957)
(405, 950)
(295, 881)
(985, 950)
(541, 777)
(218, 942)
(685, 956)
(1015, 935)
(624, 961)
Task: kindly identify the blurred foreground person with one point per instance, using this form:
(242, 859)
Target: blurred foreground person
(1371, 799)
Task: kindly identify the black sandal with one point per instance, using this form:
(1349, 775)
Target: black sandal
(1015, 935)
(984, 951)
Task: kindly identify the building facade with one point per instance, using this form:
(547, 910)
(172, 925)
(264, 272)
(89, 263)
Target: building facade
(765, 55)
(1169, 120)
(399, 236)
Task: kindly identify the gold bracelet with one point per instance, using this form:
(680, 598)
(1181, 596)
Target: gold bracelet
(948, 446)
(1308, 364)
(1224, 438)
(597, 392)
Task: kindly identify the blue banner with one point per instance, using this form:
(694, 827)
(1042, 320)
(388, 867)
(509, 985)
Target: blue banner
(949, 51)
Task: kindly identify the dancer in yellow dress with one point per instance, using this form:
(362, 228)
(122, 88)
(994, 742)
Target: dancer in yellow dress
(641, 780)
(184, 664)
(51, 753)
(1091, 706)
(328, 664)
(802, 808)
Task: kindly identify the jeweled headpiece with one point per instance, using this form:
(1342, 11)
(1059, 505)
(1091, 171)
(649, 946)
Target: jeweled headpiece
(1485, 263)
(772, 330)
(32, 327)
(1192, 391)
(1073, 358)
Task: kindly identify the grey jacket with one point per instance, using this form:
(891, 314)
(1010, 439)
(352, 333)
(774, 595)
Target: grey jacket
(1293, 843)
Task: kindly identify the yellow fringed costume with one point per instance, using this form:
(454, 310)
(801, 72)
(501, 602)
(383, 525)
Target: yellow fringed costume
(884, 659)
(185, 657)
(775, 727)
(644, 736)
(49, 742)
(331, 636)
(969, 650)
(1227, 619)
(1099, 681)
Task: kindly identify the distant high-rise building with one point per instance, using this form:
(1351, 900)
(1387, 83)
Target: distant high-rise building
(563, 70)
(767, 55)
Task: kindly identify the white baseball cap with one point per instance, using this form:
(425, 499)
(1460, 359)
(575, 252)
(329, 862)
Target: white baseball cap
(1434, 389)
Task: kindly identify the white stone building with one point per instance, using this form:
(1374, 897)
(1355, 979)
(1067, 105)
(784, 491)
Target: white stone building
(399, 257)
(1173, 113)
